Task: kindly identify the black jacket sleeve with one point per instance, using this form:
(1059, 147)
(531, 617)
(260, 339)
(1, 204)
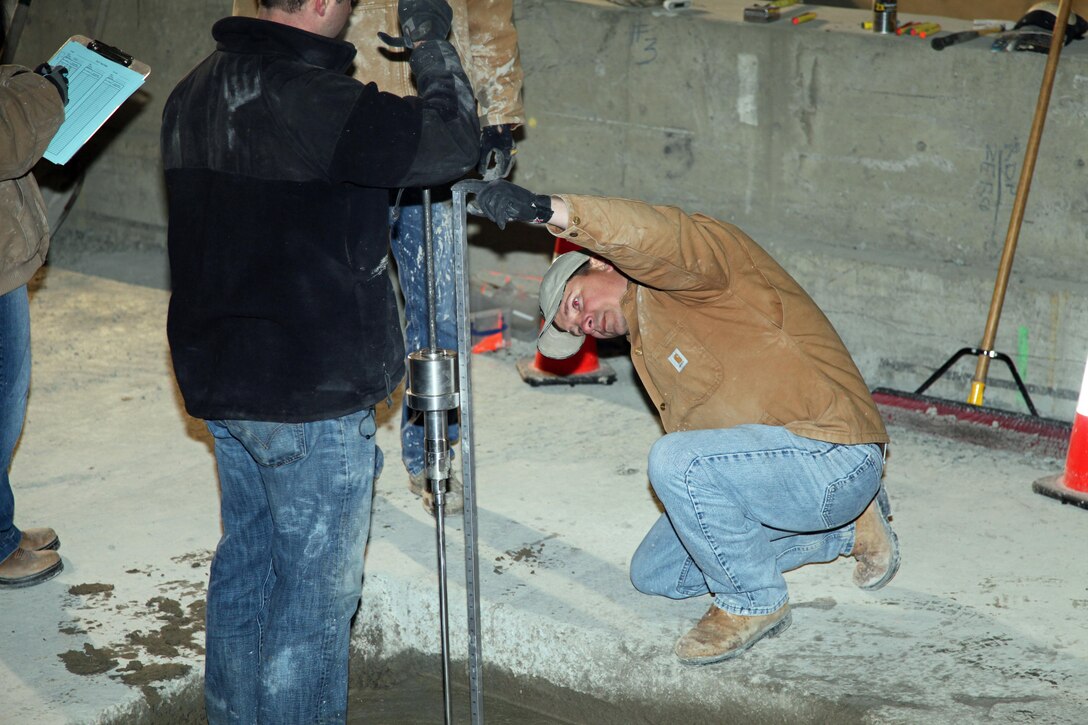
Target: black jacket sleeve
(451, 130)
(393, 142)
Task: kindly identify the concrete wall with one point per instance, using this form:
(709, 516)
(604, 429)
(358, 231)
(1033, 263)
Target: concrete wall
(881, 172)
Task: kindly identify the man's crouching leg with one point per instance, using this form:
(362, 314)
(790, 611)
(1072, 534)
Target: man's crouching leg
(713, 485)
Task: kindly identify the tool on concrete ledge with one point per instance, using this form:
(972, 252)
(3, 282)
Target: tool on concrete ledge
(766, 12)
(802, 18)
(1035, 30)
(920, 28)
(437, 384)
(1038, 432)
(667, 4)
(885, 16)
(962, 37)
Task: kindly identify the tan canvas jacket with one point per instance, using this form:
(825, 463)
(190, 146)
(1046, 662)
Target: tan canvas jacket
(483, 33)
(30, 113)
(720, 334)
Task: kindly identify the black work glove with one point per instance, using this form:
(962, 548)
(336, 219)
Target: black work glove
(420, 20)
(497, 152)
(58, 76)
(502, 202)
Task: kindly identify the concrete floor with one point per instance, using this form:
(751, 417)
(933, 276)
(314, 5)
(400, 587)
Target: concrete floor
(986, 622)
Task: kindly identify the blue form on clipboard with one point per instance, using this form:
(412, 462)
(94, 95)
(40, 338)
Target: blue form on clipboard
(97, 86)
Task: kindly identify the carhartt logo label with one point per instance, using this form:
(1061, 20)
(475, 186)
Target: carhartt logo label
(678, 360)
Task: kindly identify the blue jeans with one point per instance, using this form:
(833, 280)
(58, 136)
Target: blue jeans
(407, 242)
(743, 505)
(14, 386)
(288, 571)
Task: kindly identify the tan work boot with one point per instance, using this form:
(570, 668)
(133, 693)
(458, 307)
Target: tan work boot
(40, 539)
(455, 497)
(417, 483)
(721, 635)
(27, 568)
(876, 548)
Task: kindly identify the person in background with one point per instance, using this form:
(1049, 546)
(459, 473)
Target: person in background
(31, 110)
(484, 35)
(283, 323)
(774, 449)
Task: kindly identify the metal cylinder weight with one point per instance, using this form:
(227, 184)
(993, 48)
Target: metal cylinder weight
(432, 390)
(432, 380)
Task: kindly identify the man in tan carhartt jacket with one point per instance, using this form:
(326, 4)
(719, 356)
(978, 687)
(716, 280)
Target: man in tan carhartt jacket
(774, 449)
(31, 111)
(483, 33)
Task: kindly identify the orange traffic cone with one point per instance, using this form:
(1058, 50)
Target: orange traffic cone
(1072, 485)
(582, 367)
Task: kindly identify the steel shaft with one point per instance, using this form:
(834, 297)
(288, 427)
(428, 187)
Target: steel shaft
(440, 381)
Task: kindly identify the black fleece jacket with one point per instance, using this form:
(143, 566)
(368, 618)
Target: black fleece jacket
(278, 167)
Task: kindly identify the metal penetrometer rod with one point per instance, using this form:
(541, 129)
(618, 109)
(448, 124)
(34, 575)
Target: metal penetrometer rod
(432, 390)
(437, 384)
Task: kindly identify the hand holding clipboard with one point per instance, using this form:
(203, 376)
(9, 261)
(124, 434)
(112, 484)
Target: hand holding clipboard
(100, 79)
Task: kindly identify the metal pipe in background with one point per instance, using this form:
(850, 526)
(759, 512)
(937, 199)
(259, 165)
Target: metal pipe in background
(11, 41)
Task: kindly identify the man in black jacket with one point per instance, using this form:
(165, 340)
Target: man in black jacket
(283, 324)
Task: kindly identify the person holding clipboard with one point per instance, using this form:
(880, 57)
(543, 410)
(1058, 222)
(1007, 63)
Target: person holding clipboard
(31, 110)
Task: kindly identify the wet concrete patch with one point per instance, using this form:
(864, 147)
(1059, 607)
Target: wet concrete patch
(166, 631)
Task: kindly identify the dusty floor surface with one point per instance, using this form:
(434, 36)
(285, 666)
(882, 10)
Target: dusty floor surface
(986, 622)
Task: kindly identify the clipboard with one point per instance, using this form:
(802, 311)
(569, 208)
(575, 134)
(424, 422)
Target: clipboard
(100, 78)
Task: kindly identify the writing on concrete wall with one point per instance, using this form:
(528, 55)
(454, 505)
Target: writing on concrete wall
(643, 43)
(998, 174)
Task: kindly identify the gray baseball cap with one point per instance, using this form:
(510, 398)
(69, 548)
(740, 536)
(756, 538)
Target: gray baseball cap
(553, 342)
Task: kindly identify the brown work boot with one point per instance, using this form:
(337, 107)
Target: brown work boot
(27, 568)
(721, 635)
(40, 539)
(876, 547)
